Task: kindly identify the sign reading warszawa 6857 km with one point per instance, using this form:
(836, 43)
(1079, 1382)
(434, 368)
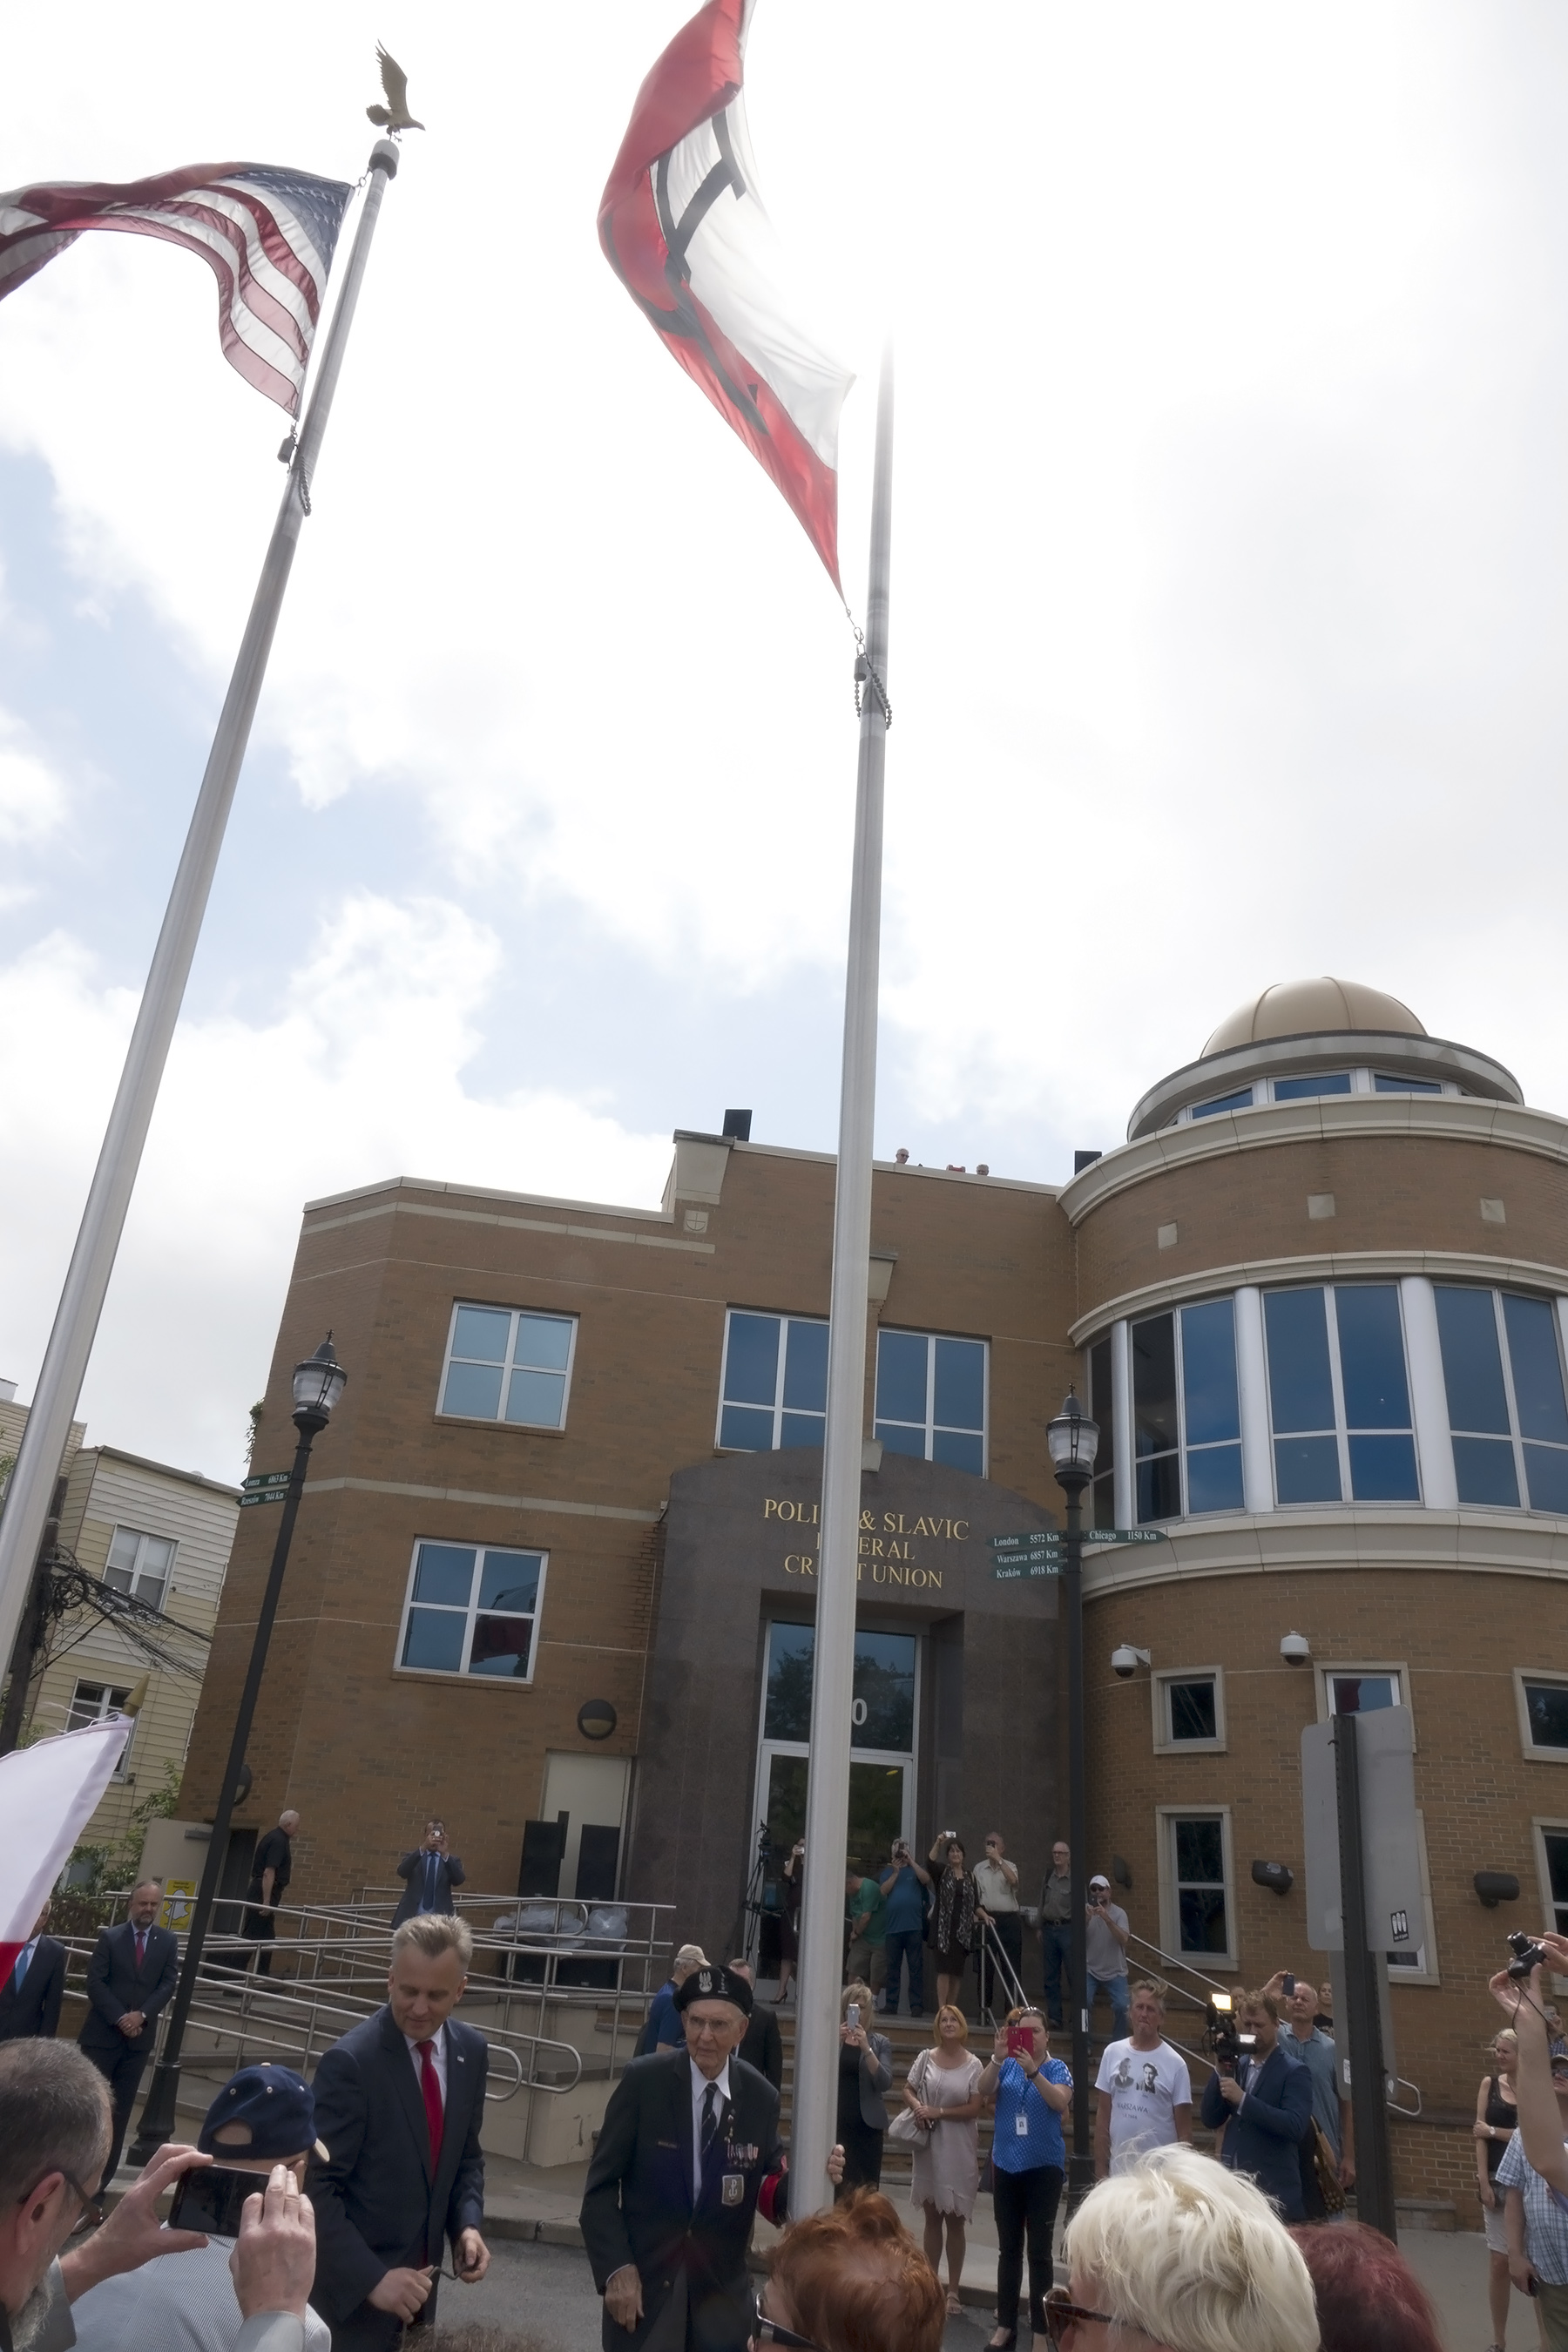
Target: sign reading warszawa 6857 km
(887, 1541)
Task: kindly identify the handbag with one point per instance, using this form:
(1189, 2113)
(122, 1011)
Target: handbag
(906, 2125)
(1326, 2171)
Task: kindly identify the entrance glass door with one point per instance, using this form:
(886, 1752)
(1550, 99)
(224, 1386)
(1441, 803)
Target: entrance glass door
(883, 1737)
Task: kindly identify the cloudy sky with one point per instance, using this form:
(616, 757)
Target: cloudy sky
(1231, 535)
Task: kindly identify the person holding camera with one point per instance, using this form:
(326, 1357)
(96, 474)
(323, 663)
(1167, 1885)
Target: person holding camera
(997, 1908)
(258, 2134)
(955, 1928)
(433, 1871)
(905, 1887)
(865, 2073)
(1497, 2116)
(792, 1886)
(1264, 2098)
(1106, 1954)
(1032, 2091)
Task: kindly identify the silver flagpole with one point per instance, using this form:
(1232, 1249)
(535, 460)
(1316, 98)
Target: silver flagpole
(833, 1674)
(65, 1361)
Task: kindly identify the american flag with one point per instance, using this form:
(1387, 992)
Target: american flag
(268, 235)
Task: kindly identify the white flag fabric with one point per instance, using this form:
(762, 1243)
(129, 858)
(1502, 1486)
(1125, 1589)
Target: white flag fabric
(682, 226)
(49, 1793)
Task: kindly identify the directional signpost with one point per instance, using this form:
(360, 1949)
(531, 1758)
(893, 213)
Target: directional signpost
(1042, 1551)
(267, 1486)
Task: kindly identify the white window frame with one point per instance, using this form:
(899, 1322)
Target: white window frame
(1216, 1298)
(1510, 1398)
(107, 1707)
(460, 1674)
(770, 1315)
(969, 1339)
(143, 1536)
(1522, 1674)
(1160, 1684)
(1540, 1824)
(499, 1420)
(1328, 1292)
(1229, 1962)
(1426, 1970)
(1398, 1668)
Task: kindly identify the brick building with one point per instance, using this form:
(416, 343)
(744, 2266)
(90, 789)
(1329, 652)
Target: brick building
(553, 1571)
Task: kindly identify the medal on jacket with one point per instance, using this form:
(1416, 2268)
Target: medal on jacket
(732, 2189)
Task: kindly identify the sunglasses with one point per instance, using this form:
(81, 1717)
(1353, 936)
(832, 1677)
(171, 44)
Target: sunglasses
(1061, 2314)
(772, 2331)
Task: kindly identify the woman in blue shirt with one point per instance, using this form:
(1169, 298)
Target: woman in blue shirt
(1031, 2091)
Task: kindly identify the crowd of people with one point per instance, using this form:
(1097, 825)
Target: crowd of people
(308, 2216)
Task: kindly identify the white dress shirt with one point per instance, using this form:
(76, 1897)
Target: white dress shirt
(700, 2088)
(437, 2059)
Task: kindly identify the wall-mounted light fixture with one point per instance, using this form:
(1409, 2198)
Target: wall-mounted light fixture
(1278, 1876)
(1495, 1886)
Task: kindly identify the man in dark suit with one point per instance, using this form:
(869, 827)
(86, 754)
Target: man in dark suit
(1266, 2107)
(130, 1978)
(761, 2046)
(432, 1871)
(688, 2141)
(31, 1995)
(398, 2105)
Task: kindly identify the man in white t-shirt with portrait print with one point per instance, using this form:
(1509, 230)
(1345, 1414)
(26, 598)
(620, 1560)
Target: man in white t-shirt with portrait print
(1146, 2091)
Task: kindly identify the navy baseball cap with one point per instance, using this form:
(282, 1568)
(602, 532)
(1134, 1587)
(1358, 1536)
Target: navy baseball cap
(277, 2107)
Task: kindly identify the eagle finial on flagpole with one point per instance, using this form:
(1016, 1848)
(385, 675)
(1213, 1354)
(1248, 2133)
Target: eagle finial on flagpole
(395, 115)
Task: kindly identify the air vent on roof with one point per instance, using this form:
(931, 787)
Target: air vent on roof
(737, 1123)
(1082, 1160)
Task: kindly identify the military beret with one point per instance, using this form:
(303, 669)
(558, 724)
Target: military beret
(712, 1983)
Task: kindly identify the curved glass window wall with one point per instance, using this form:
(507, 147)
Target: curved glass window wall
(1314, 1082)
(1302, 1396)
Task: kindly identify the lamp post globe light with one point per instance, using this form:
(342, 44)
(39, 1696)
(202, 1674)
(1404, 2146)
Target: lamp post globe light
(1074, 1441)
(317, 1384)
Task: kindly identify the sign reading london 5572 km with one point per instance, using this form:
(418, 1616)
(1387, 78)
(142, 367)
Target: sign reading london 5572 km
(1042, 1551)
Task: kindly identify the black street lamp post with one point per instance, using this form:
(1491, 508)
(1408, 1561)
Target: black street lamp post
(317, 1384)
(1074, 1441)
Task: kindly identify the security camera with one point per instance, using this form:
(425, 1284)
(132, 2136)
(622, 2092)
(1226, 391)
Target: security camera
(1125, 1660)
(1296, 1650)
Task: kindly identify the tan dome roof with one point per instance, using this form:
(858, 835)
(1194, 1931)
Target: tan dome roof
(1299, 1008)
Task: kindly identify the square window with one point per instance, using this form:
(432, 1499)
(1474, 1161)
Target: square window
(1189, 1710)
(772, 1386)
(472, 1608)
(510, 1365)
(1543, 1701)
(1484, 1471)
(931, 1398)
(1361, 1690)
(1214, 1478)
(140, 1563)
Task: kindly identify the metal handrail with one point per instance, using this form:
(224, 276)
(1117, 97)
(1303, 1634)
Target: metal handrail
(1018, 1998)
(304, 2015)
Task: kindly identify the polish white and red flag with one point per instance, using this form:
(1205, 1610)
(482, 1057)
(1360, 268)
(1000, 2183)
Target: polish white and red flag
(268, 235)
(684, 229)
(49, 1793)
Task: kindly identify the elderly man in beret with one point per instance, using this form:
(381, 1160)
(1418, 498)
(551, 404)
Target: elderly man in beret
(691, 2139)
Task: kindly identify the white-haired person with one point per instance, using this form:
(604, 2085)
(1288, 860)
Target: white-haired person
(1176, 2254)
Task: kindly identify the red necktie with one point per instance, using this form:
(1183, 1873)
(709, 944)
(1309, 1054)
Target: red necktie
(140, 1945)
(430, 2083)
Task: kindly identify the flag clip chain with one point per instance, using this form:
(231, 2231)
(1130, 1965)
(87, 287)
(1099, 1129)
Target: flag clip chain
(866, 674)
(286, 456)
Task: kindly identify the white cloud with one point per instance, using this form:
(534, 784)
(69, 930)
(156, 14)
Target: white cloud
(359, 1076)
(32, 796)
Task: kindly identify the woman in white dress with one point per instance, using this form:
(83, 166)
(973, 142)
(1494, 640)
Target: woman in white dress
(943, 2088)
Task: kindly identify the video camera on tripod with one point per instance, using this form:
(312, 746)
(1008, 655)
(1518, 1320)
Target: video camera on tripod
(1223, 2036)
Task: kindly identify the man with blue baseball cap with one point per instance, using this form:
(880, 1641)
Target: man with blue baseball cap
(263, 2124)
